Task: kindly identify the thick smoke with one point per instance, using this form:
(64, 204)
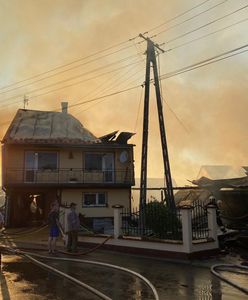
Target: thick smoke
(210, 102)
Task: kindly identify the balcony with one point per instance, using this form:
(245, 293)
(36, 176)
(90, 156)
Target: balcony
(68, 177)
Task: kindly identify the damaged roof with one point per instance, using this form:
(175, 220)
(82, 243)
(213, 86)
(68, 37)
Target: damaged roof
(216, 172)
(46, 127)
(204, 182)
(188, 197)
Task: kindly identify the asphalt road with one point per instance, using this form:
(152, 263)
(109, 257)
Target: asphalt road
(22, 280)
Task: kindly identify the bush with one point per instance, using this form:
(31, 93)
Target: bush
(163, 222)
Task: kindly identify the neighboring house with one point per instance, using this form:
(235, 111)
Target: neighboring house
(48, 156)
(220, 172)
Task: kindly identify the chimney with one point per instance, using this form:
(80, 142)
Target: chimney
(64, 107)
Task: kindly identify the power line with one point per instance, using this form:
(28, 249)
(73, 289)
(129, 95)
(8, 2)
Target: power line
(202, 26)
(138, 111)
(103, 99)
(191, 18)
(99, 88)
(177, 16)
(68, 64)
(109, 88)
(162, 96)
(68, 79)
(204, 64)
(165, 76)
(105, 96)
(100, 51)
(175, 73)
(168, 75)
(63, 71)
(205, 35)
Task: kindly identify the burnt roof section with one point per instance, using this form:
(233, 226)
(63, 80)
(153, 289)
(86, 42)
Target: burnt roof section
(108, 137)
(121, 139)
(46, 127)
(204, 182)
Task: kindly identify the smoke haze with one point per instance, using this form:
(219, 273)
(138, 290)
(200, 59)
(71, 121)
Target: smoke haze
(210, 103)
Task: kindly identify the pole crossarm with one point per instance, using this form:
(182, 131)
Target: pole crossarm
(154, 44)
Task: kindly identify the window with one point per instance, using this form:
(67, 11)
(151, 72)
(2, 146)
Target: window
(101, 162)
(94, 199)
(93, 161)
(35, 161)
(47, 160)
(41, 160)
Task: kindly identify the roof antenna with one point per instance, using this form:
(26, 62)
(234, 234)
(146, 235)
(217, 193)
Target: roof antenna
(25, 101)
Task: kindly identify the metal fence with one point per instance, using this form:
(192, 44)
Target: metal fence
(199, 217)
(153, 221)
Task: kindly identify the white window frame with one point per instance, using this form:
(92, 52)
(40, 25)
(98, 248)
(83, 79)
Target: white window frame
(97, 199)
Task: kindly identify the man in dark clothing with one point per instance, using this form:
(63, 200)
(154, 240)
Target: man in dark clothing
(73, 228)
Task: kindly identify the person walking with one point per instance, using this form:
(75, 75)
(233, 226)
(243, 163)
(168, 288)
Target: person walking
(73, 228)
(53, 223)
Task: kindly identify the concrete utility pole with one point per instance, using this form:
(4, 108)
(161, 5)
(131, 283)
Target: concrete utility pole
(151, 59)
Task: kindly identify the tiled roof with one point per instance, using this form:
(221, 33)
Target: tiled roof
(42, 127)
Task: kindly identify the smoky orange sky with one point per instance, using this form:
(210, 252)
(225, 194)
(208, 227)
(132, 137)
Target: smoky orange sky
(210, 102)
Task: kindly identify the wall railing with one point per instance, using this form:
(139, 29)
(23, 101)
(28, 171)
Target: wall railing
(68, 176)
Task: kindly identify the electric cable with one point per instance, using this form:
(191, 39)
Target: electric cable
(103, 50)
(202, 65)
(84, 74)
(191, 18)
(78, 76)
(162, 96)
(182, 70)
(105, 90)
(106, 84)
(138, 111)
(65, 65)
(166, 75)
(202, 26)
(63, 71)
(207, 61)
(177, 16)
(203, 36)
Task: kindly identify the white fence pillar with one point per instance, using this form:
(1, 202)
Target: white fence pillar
(187, 228)
(212, 222)
(117, 220)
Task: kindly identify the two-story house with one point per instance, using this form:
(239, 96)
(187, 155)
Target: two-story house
(48, 156)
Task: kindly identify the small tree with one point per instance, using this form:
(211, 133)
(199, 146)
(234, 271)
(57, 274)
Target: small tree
(162, 221)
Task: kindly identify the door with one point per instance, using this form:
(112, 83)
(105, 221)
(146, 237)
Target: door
(31, 166)
(108, 167)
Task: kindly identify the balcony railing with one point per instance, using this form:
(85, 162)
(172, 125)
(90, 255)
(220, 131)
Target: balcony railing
(68, 176)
